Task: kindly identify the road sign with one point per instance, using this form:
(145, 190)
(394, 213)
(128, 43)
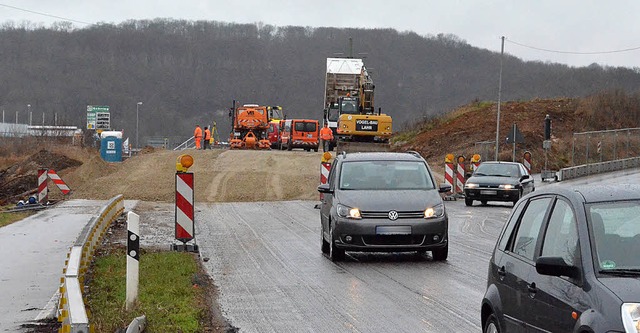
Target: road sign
(98, 117)
(515, 132)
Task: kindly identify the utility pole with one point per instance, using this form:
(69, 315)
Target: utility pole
(350, 48)
(499, 96)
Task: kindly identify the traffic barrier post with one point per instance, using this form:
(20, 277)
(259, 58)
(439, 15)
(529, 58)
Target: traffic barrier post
(43, 189)
(59, 182)
(448, 176)
(184, 207)
(133, 258)
(475, 162)
(460, 171)
(526, 161)
(325, 168)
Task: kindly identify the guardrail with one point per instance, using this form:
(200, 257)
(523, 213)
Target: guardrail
(71, 309)
(595, 168)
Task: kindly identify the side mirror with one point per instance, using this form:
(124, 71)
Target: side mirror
(556, 266)
(444, 188)
(324, 188)
(525, 177)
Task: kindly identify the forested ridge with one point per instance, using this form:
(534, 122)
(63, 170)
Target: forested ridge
(188, 72)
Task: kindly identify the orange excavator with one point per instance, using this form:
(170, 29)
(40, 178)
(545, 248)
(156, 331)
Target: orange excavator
(250, 124)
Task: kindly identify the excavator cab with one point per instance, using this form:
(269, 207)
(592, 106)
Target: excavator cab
(349, 105)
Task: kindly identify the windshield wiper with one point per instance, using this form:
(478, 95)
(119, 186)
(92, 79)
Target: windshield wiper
(499, 176)
(479, 174)
(621, 271)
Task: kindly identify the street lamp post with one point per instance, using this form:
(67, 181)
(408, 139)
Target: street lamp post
(30, 116)
(137, 121)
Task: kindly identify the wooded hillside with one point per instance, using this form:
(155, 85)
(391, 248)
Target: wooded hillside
(188, 72)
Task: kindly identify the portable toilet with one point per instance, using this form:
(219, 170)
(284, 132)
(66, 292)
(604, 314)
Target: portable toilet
(111, 146)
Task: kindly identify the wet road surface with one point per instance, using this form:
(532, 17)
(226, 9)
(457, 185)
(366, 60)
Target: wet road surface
(266, 260)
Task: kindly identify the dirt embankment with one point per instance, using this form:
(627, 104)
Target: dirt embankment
(219, 176)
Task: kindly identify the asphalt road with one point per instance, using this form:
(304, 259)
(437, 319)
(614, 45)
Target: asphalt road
(266, 260)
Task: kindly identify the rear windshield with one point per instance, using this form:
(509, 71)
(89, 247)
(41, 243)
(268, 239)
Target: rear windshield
(385, 175)
(306, 127)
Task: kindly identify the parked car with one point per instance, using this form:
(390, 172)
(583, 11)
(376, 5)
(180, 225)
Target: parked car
(498, 181)
(382, 202)
(567, 261)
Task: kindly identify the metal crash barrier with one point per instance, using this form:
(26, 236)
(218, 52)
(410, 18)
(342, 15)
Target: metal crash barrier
(595, 168)
(71, 308)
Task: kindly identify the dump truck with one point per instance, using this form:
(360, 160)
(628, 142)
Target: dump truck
(349, 108)
(250, 124)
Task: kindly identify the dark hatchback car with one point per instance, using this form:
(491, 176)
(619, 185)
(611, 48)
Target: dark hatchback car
(567, 261)
(382, 202)
(498, 181)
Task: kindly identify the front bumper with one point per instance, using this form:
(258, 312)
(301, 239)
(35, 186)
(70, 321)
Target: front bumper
(383, 235)
(492, 194)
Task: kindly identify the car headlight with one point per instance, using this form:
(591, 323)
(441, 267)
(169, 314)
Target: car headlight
(506, 186)
(470, 185)
(631, 317)
(435, 211)
(348, 212)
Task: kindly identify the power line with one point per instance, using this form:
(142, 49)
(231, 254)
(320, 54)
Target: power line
(572, 52)
(45, 14)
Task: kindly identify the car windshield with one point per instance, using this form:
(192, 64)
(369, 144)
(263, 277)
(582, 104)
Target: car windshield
(385, 175)
(497, 169)
(615, 228)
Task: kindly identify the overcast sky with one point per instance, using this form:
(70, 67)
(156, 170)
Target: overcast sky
(563, 26)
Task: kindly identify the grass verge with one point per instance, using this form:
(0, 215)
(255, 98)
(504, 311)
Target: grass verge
(8, 218)
(171, 292)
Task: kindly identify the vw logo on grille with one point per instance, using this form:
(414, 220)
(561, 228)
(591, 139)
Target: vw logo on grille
(393, 215)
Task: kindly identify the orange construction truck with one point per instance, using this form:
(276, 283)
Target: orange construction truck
(299, 133)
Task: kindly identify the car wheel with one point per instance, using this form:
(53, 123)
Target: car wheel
(440, 254)
(335, 253)
(468, 202)
(519, 196)
(325, 244)
(289, 146)
(491, 326)
(315, 149)
(483, 202)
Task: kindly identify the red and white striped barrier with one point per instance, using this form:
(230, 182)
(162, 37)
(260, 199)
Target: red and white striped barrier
(43, 190)
(527, 161)
(460, 178)
(59, 182)
(325, 168)
(184, 227)
(448, 175)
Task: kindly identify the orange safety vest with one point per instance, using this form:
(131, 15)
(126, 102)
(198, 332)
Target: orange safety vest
(207, 134)
(326, 133)
(198, 132)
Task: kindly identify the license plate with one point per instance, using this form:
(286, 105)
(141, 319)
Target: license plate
(393, 230)
(488, 192)
(309, 136)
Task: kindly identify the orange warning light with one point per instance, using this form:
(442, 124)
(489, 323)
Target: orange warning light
(326, 157)
(475, 158)
(448, 158)
(574, 315)
(460, 159)
(184, 162)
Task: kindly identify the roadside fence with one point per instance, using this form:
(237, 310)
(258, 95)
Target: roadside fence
(602, 146)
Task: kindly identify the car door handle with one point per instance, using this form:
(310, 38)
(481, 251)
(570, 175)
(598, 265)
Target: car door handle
(502, 271)
(532, 288)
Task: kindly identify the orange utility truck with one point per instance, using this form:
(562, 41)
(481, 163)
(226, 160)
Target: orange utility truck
(250, 125)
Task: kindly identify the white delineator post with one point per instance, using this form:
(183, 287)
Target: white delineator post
(133, 258)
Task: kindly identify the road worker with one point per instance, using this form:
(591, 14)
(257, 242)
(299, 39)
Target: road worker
(207, 137)
(326, 135)
(197, 135)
